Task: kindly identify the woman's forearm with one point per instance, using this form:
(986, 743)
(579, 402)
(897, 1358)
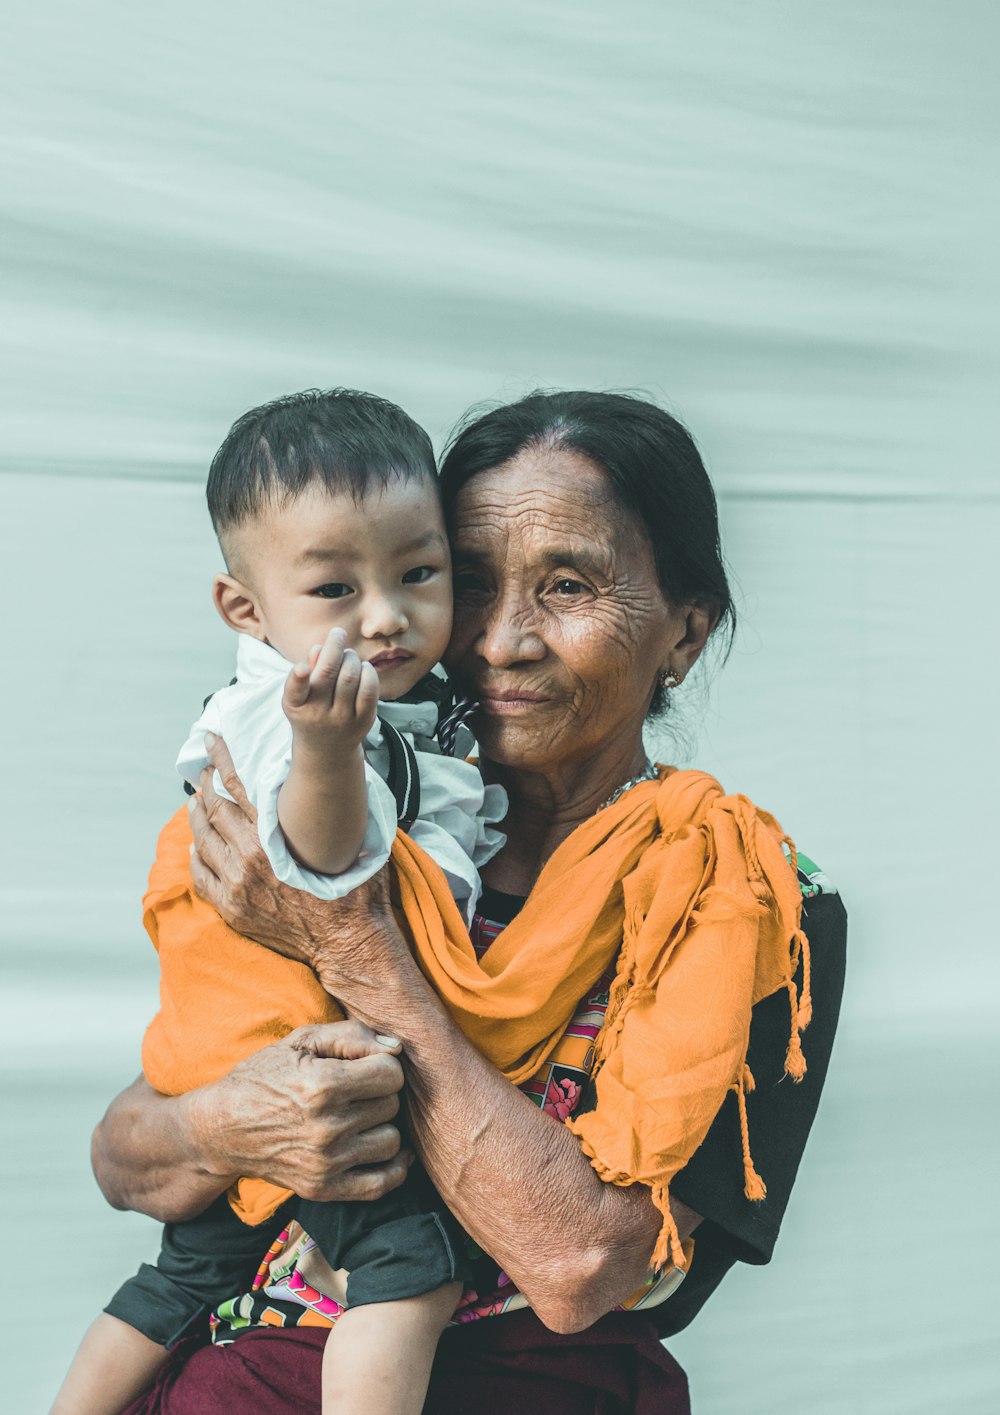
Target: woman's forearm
(146, 1155)
(515, 1178)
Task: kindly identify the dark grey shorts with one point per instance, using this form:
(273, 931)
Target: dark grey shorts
(398, 1246)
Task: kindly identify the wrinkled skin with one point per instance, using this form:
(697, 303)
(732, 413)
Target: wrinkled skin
(545, 606)
(557, 599)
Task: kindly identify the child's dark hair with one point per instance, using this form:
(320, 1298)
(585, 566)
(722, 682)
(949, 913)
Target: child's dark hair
(343, 439)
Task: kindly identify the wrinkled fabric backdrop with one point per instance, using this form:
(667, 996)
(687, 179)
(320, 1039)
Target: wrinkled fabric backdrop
(778, 219)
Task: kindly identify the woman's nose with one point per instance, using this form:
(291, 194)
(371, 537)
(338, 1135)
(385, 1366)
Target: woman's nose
(382, 616)
(509, 634)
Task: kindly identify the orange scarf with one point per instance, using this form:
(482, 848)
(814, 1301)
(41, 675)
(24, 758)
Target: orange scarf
(688, 887)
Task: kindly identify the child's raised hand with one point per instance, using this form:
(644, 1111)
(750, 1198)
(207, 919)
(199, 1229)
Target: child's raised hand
(332, 698)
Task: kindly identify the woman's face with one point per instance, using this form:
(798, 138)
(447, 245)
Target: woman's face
(561, 626)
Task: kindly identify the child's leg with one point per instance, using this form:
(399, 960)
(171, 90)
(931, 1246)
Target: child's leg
(378, 1358)
(200, 1264)
(114, 1364)
(404, 1258)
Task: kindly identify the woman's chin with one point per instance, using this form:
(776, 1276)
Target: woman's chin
(508, 742)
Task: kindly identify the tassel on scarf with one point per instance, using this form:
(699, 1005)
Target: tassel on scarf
(795, 1062)
(668, 1246)
(805, 995)
(800, 1004)
(753, 1186)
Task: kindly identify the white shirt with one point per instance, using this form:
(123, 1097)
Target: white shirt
(457, 811)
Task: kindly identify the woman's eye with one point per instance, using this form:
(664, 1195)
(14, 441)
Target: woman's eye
(466, 583)
(568, 587)
(332, 591)
(418, 576)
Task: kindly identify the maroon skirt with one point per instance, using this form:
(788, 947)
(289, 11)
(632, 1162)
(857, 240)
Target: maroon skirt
(495, 1366)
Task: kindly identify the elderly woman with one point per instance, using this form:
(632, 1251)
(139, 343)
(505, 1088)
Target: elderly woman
(588, 580)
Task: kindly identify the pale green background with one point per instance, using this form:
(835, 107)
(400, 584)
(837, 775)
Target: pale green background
(778, 218)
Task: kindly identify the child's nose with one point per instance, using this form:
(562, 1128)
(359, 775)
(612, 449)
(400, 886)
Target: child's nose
(383, 616)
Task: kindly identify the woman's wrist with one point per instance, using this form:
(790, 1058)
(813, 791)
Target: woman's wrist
(200, 1126)
(380, 986)
(376, 970)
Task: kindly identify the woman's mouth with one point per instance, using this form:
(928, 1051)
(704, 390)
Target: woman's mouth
(390, 658)
(494, 700)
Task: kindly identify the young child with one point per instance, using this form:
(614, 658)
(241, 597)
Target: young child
(338, 582)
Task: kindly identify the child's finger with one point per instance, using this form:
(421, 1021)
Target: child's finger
(346, 688)
(366, 702)
(328, 662)
(297, 685)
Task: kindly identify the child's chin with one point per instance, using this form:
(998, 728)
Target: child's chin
(396, 682)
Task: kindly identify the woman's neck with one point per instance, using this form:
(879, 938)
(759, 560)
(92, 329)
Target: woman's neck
(547, 805)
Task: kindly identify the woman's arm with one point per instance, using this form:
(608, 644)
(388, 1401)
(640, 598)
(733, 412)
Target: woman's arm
(510, 1173)
(517, 1180)
(145, 1155)
(309, 1113)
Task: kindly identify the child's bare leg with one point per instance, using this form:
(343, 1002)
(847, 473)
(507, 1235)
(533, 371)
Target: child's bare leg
(378, 1358)
(113, 1365)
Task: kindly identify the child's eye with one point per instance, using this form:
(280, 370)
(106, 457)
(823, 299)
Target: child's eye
(332, 591)
(419, 575)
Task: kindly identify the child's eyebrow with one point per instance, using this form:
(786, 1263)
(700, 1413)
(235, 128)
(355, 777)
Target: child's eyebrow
(340, 552)
(322, 552)
(431, 537)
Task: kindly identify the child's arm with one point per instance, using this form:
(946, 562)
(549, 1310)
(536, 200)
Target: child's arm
(323, 804)
(113, 1365)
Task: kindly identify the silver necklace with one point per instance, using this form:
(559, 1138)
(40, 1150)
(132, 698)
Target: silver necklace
(649, 773)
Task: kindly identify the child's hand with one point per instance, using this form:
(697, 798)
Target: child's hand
(331, 700)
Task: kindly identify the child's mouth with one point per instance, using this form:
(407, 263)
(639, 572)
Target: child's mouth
(390, 658)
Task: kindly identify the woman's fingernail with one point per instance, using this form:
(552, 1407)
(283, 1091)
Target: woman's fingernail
(210, 740)
(385, 1041)
(191, 805)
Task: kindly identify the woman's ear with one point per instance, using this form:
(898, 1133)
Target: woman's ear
(699, 621)
(237, 606)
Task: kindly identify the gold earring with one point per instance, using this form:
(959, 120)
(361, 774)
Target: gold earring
(669, 678)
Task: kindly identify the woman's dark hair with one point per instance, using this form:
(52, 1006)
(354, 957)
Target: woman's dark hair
(652, 463)
(344, 439)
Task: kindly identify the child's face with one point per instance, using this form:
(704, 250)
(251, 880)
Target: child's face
(379, 569)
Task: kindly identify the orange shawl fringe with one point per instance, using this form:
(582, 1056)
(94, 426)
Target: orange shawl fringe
(688, 887)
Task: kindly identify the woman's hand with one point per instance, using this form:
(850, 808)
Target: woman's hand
(312, 1113)
(350, 939)
(308, 1113)
(231, 871)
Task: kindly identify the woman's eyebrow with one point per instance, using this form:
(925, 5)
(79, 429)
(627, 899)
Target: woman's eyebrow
(551, 559)
(582, 559)
(467, 555)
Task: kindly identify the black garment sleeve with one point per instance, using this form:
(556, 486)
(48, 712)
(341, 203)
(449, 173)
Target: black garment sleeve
(780, 1115)
(201, 1263)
